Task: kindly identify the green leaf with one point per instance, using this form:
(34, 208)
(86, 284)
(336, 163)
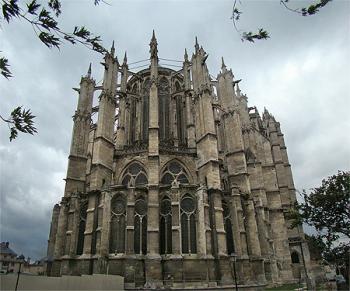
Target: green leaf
(33, 7)
(4, 68)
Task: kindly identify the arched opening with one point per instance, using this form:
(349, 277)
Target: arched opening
(117, 225)
(164, 100)
(82, 224)
(134, 175)
(174, 172)
(295, 257)
(228, 228)
(188, 224)
(140, 226)
(145, 109)
(165, 237)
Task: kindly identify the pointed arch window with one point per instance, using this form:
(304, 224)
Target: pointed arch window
(117, 225)
(188, 224)
(295, 257)
(174, 172)
(145, 109)
(165, 236)
(82, 224)
(140, 227)
(164, 100)
(228, 228)
(134, 175)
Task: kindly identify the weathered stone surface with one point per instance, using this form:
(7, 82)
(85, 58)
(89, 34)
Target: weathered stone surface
(182, 187)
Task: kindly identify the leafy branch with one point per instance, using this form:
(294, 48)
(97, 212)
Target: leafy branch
(44, 21)
(20, 120)
(262, 33)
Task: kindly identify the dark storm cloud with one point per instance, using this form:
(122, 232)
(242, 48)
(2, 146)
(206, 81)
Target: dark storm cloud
(300, 75)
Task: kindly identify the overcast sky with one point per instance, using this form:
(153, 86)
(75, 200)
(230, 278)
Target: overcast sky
(301, 75)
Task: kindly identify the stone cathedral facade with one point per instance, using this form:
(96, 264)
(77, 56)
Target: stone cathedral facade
(178, 183)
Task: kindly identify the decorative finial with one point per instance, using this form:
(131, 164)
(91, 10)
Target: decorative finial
(153, 46)
(125, 59)
(89, 72)
(238, 90)
(112, 49)
(154, 36)
(186, 56)
(223, 66)
(196, 46)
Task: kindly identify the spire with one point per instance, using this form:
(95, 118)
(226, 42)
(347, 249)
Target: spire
(89, 72)
(112, 49)
(196, 46)
(223, 66)
(125, 61)
(186, 56)
(238, 90)
(153, 46)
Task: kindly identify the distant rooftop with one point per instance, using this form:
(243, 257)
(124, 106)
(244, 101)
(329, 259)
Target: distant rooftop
(5, 249)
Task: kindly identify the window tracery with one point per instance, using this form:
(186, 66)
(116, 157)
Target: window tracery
(165, 236)
(145, 109)
(140, 226)
(228, 228)
(164, 100)
(188, 225)
(82, 224)
(174, 172)
(134, 175)
(117, 225)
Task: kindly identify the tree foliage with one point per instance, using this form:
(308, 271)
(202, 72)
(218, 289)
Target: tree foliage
(261, 32)
(44, 20)
(327, 208)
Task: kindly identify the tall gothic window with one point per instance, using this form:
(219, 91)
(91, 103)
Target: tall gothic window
(96, 234)
(188, 225)
(174, 172)
(165, 226)
(134, 175)
(228, 228)
(145, 109)
(140, 227)
(133, 116)
(164, 96)
(180, 117)
(82, 224)
(117, 225)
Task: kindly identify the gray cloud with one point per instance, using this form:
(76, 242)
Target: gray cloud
(300, 75)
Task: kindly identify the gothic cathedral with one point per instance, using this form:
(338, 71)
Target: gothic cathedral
(174, 181)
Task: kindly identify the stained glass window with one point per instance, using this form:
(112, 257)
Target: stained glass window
(140, 227)
(174, 172)
(117, 225)
(188, 225)
(165, 226)
(134, 175)
(228, 228)
(82, 224)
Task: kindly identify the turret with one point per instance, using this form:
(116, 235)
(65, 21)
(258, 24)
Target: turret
(102, 163)
(75, 181)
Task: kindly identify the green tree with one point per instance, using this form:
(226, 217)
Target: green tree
(326, 208)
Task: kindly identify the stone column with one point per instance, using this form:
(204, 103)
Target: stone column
(153, 265)
(201, 228)
(60, 238)
(90, 223)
